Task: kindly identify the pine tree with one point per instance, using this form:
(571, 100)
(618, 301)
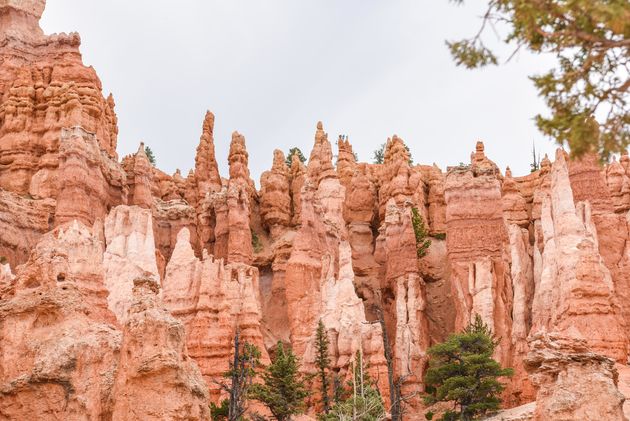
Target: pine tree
(535, 165)
(421, 233)
(322, 361)
(241, 374)
(378, 156)
(462, 371)
(588, 90)
(149, 152)
(294, 151)
(283, 389)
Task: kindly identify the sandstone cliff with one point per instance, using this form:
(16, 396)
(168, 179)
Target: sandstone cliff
(117, 279)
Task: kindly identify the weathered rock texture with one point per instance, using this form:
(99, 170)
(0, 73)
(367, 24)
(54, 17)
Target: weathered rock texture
(209, 296)
(64, 358)
(153, 358)
(544, 256)
(130, 254)
(574, 383)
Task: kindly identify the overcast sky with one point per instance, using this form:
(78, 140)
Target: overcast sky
(272, 68)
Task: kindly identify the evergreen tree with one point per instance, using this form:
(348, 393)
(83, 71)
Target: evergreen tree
(283, 389)
(364, 402)
(588, 90)
(149, 152)
(462, 371)
(379, 154)
(322, 361)
(421, 233)
(218, 413)
(241, 374)
(535, 165)
(292, 152)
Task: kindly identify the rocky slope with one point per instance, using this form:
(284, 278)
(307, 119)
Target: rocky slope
(119, 281)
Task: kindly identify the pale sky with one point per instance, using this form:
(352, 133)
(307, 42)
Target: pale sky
(272, 68)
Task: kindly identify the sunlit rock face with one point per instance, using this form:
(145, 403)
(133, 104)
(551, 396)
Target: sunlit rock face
(119, 281)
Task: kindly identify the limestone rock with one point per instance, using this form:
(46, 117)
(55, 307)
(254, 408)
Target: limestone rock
(575, 295)
(275, 198)
(139, 177)
(130, 254)
(574, 383)
(209, 296)
(405, 302)
(59, 353)
(319, 274)
(154, 362)
(44, 87)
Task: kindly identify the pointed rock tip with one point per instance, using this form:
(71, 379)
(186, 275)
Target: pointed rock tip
(320, 126)
(141, 149)
(183, 235)
(559, 154)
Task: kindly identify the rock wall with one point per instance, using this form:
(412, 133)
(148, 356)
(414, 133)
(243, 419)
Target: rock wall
(129, 254)
(63, 357)
(213, 300)
(541, 256)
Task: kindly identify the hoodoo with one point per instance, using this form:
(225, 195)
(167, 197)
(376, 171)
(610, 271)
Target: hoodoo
(120, 283)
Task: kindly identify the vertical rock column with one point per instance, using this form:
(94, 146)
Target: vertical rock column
(130, 254)
(213, 300)
(475, 237)
(319, 275)
(154, 362)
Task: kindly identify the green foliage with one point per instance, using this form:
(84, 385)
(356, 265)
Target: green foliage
(290, 154)
(283, 389)
(257, 245)
(149, 152)
(587, 91)
(337, 389)
(378, 156)
(535, 165)
(363, 403)
(440, 235)
(462, 371)
(420, 230)
(220, 412)
(322, 361)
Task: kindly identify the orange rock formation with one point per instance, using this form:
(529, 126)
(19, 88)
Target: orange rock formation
(86, 241)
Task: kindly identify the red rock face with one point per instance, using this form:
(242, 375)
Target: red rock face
(319, 274)
(92, 183)
(544, 256)
(63, 356)
(164, 366)
(574, 383)
(44, 87)
(209, 296)
(275, 199)
(22, 222)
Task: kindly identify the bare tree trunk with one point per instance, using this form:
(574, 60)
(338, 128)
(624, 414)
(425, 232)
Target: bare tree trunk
(235, 391)
(394, 386)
